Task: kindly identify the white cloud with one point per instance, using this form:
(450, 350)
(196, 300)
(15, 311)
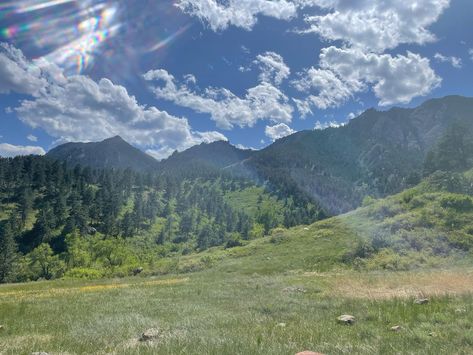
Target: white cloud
(10, 150)
(470, 52)
(331, 124)
(244, 147)
(77, 108)
(353, 115)
(16, 73)
(32, 138)
(240, 13)
(453, 61)
(278, 131)
(273, 69)
(375, 25)
(345, 72)
(264, 101)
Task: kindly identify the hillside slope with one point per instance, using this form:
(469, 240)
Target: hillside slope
(110, 153)
(377, 153)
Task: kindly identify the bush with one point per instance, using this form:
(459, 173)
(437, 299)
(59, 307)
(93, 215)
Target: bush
(83, 273)
(233, 242)
(459, 203)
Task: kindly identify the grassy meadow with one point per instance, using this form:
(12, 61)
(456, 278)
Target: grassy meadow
(280, 294)
(214, 312)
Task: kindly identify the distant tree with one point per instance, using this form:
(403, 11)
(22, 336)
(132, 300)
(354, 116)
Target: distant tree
(49, 266)
(453, 152)
(8, 252)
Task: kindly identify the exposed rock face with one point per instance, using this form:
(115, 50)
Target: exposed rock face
(346, 319)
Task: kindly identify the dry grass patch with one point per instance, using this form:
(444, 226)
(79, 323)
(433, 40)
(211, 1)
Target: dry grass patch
(55, 292)
(400, 285)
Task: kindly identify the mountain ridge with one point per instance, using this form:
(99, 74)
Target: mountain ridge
(377, 153)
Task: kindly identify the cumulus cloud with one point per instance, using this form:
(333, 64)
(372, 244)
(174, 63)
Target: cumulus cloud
(331, 124)
(375, 25)
(273, 69)
(264, 101)
(453, 61)
(10, 150)
(16, 73)
(344, 72)
(278, 131)
(77, 108)
(239, 13)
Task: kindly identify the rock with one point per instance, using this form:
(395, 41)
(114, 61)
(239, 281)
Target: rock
(306, 228)
(137, 271)
(39, 353)
(294, 289)
(421, 301)
(346, 319)
(1, 328)
(396, 328)
(152, 334)
(281, 325)
(307, 352)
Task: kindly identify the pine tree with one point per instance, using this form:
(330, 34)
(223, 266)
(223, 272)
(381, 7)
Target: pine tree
(8, 252)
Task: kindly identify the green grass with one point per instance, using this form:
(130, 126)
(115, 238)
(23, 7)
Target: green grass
(217, 312)
(371, 263)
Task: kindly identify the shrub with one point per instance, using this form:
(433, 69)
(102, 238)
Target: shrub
(83, 273)
(460, 203)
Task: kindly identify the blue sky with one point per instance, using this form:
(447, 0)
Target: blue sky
(166, 75)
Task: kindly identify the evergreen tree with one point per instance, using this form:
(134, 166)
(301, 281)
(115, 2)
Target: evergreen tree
(8, 252)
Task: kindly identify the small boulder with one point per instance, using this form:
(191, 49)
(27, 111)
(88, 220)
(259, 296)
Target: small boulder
(281, 325)
(137, 271)
(421, 301)
(152, 334)
(2, 328)
(308, 352)
(346, 319)
(396, 328)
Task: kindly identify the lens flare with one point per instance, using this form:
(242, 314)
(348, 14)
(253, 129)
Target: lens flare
(97, 37)
(27, 6)
(169, 39)
(71, 33)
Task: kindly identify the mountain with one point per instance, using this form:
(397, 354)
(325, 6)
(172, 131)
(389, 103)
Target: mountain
(378, 153)
(214, 155)
(110, 153)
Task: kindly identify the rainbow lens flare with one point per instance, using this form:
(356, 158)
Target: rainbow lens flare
(70, 32)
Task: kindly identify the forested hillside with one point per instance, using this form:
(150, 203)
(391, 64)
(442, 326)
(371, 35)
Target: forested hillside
(378, 153)
(57, 219)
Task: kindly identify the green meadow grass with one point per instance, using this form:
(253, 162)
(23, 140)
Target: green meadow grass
(225, 311)
(245, 300)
